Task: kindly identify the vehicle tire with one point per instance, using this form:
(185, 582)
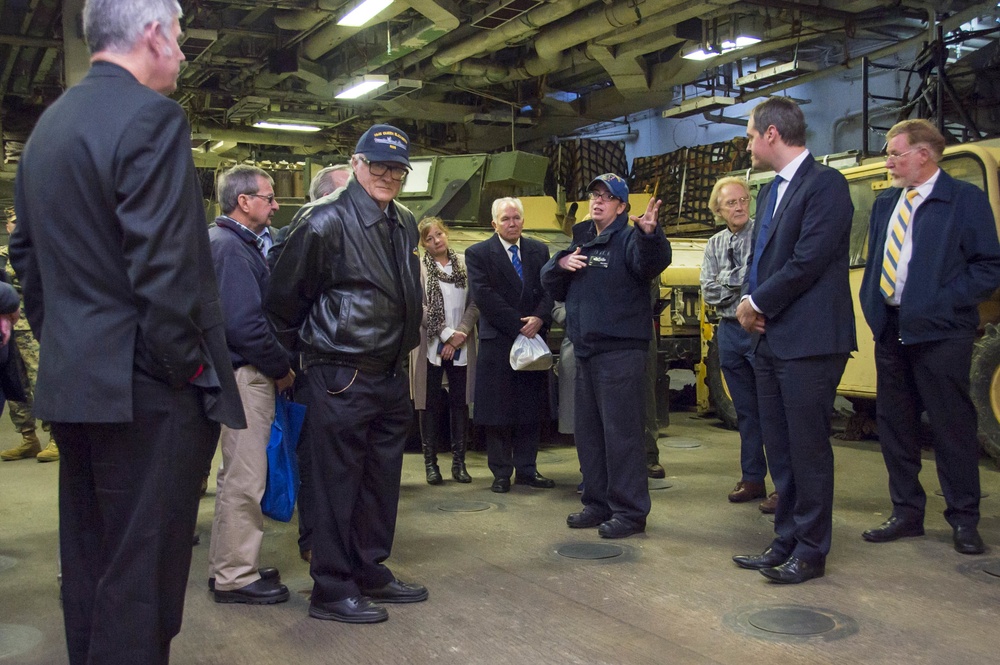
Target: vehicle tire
(718, 391)
(984, 382)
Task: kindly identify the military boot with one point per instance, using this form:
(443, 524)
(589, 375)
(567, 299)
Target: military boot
(50, 454)
(459, 432)
(428, 443)
(30, 447)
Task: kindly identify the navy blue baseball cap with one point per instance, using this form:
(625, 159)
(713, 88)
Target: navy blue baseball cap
(616, 184)
(385, 143)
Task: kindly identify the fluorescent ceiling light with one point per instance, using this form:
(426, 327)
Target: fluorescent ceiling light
(362, 86)
(726, 46)
(286, 126)
(363, 13)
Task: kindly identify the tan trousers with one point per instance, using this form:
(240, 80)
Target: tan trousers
(238, 528)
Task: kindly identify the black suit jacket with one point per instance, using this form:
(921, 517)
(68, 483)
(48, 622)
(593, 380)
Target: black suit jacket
(500, 294)
(802, 278)
(503, 396)
(112, 251)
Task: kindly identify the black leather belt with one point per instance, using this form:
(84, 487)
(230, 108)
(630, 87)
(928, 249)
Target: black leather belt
(365, 364)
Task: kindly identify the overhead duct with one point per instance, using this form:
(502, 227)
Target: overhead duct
(509, 32)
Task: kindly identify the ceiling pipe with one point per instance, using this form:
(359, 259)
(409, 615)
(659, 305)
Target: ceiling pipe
(510, 32)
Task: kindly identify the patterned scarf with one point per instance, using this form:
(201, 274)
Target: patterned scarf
(435, 301)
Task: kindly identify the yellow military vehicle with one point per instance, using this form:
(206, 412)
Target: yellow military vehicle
(976, 163)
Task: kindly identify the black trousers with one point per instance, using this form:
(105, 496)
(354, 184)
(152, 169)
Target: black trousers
(356, 423)
(456, 386)
(608, 428)
(304, 502)
(510, 447)
(795, 398)
(128, 503)
(933, 376)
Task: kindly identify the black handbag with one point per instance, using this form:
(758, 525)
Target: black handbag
(13, 375)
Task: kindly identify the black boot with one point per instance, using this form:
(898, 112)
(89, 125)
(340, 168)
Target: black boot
(428, 442)
(459, 432)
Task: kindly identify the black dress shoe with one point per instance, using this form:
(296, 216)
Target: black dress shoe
(536, 480)
(767, 559)
(586, 519)
(655, 470)
(261, 592)
(794, 571)
(618, 528)
(397, 592)
(356, 609)
(968, 541)
(894, 528)
(265, 574)
(500, 485)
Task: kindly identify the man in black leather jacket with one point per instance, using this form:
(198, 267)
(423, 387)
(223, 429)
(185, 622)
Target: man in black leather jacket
(345, 294)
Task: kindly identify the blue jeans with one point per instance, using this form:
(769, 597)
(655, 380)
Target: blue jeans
(736, 360)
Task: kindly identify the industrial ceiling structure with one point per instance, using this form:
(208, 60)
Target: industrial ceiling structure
(470, 76)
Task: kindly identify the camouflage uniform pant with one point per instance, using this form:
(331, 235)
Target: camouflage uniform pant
(20, 412)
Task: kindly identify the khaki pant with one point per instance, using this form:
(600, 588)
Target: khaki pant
(238, 528)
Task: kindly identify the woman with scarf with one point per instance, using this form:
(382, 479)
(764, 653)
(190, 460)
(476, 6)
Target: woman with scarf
(447, 346)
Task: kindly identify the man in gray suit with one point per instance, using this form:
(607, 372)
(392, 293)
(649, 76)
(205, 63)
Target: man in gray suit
(134, 373)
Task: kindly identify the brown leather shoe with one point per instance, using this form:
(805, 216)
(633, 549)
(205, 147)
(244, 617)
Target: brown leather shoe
(770, 504)
(744, 492)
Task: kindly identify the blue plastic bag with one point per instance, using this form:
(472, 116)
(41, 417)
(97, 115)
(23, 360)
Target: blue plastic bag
(282, 488)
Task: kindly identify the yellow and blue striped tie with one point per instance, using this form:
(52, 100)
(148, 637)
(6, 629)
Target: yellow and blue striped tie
(894, 245)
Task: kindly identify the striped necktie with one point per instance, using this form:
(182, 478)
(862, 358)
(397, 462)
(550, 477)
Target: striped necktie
(894, 245)
(516, 260)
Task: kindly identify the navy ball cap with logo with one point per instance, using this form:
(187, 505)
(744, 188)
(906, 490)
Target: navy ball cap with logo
(385, 143)
(615, 183)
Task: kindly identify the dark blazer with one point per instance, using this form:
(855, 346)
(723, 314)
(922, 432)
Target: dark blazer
(126, 281)
(955, 263)
(504, 396)
(802, 278)
(240, 266)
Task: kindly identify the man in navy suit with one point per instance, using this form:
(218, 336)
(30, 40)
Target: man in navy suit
(797, 301)
(112, 250)
(933, 256)
(505, 279)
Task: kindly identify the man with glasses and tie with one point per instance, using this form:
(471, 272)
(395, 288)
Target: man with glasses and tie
(604, 279)
(797, 302)
(345, 294)
(933, 256)
(723, 272)
(504, 278)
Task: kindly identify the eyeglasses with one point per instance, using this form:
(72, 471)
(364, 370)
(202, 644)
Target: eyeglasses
(898, 155)
(732, 203)
(379, 169)
(267, 197)
(603, 196)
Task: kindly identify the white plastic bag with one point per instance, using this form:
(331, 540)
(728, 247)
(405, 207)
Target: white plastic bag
(530, 354)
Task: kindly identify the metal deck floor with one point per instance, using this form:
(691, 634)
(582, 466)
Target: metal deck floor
(499, 592)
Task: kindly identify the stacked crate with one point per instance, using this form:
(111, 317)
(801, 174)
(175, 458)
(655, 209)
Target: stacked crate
(683, 180)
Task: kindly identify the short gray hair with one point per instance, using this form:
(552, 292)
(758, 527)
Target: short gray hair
(322, 183)
(500, 204)
(241, 179)
(116, 25)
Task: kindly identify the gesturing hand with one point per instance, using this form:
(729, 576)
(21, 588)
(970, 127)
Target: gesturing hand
(649, 220)
(573, 262)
